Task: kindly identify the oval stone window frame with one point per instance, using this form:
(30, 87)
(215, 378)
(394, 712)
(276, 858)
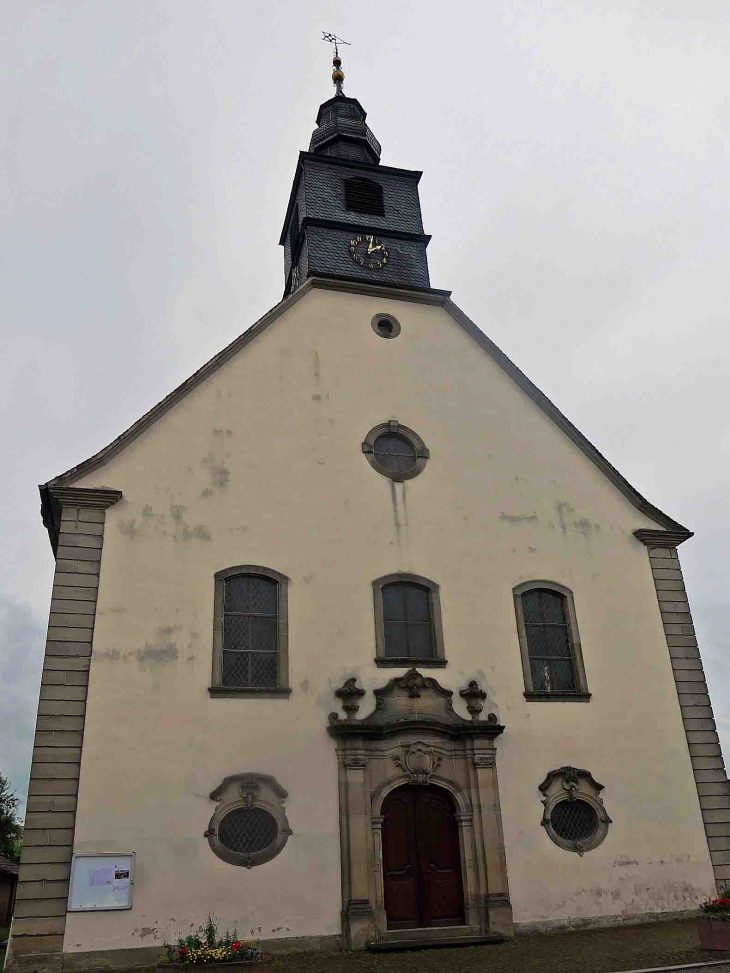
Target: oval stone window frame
(573, 784)
(393, 427)
(248, 791)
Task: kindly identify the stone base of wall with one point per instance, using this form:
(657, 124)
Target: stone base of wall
(146, 957)
(573, 923)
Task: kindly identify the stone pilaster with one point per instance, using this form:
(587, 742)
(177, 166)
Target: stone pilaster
(708, 766)
(76, 519)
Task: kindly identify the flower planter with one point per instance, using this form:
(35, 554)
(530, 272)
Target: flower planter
(714, 933)
(240, 966)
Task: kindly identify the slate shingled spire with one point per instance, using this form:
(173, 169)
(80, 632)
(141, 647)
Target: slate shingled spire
(344, 205)
(342, 131)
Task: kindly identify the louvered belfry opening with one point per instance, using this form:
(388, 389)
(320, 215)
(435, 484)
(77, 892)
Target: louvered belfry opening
(364, 196)
(250, 632)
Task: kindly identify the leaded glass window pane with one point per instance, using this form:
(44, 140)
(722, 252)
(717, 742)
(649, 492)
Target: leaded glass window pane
(396, 639)
(248, 830)
(408, 623)
(574, 820)
(548, 641)
(250, 632)
(396, 453)
(251, 593)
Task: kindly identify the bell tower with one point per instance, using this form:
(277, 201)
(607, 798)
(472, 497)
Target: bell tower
(348, 216)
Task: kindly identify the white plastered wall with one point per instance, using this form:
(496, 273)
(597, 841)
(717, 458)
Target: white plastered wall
(262, 464)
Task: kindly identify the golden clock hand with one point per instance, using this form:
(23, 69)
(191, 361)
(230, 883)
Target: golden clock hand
(370, 245)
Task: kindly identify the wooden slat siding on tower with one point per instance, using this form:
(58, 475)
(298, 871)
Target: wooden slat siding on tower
(711, 780)
(40, 909)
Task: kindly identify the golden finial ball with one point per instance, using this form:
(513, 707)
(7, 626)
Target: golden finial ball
(337, 61)
(338, 75)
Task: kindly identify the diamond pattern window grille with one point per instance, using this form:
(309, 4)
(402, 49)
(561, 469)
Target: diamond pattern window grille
(548, 641)
(407, 621)
(248, 830)
(574, 820)
(250, 632)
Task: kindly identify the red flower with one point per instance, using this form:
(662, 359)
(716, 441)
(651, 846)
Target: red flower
(183, 949)
(236, 945)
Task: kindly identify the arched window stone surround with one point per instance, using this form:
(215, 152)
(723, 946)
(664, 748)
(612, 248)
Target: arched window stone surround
(282, 689)
(381, 659)
(413, 736)
(581, 693)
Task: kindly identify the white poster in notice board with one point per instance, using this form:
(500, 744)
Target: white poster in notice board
(101, 882)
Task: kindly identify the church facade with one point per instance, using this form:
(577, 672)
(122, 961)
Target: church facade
(356, 640)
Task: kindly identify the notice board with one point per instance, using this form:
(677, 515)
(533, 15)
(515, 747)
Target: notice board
(101, 882)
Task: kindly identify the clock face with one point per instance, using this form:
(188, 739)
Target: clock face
(369, 252)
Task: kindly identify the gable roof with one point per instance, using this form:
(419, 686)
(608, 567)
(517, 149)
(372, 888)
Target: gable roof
(419, 295)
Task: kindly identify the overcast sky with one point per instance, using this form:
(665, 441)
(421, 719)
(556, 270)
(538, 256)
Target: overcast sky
(575, 157)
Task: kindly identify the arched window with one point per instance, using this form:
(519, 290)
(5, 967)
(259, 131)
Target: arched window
(407, 621)
(250, 633)
(552, 661)
(364, 196)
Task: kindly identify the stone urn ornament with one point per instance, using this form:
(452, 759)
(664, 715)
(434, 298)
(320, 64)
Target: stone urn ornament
(474, 698)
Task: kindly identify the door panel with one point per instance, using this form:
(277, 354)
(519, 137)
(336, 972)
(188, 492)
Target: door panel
(421, 859)
(438, 843)
(400, 861)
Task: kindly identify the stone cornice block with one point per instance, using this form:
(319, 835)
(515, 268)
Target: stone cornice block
(662, 538)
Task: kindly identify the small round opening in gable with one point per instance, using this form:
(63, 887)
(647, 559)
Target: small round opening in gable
(248, 830)
(574, 820)
(385, 326)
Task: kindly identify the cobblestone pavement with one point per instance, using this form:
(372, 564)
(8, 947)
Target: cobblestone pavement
(613, 950)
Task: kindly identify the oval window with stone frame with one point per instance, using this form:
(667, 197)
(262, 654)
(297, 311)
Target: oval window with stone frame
(395, 451)
(249, 826)
(574, 816)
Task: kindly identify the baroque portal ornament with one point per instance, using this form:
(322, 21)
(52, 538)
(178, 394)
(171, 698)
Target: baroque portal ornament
(419, 761)
(356, 763)
(349, 693)
(412, 681)
(474, 698)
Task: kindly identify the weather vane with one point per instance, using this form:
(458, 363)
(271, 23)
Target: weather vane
(334, 39)
(338, 75)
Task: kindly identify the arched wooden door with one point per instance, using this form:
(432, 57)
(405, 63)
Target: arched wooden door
(421, 859)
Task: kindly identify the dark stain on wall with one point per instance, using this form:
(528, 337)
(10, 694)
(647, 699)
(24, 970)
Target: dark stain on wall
(519, 518)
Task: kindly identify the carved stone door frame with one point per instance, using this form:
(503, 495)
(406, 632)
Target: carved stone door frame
(414, 737)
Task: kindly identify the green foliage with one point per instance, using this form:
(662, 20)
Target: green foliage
(11, 830)
(205, 945)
